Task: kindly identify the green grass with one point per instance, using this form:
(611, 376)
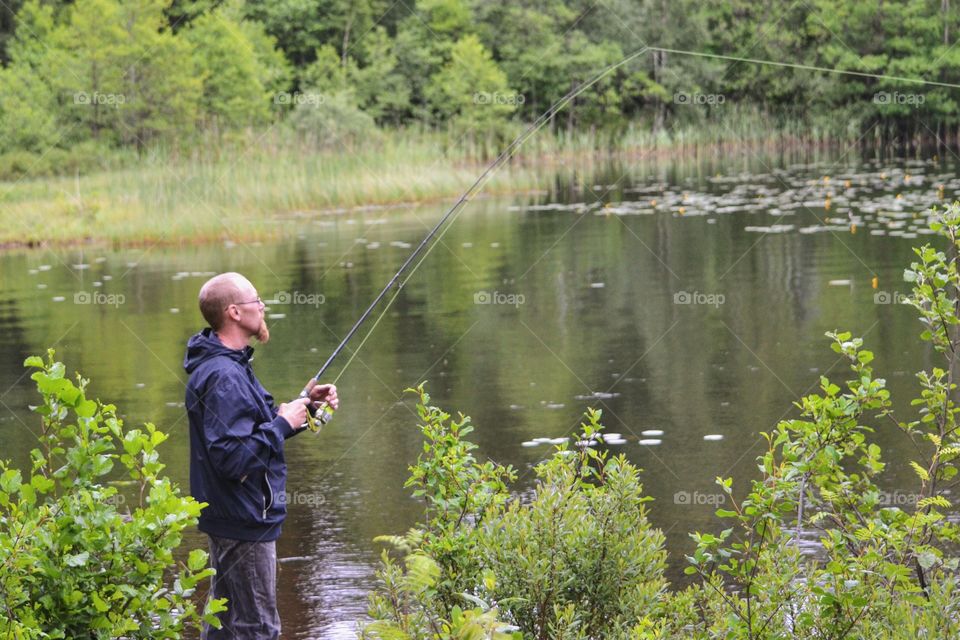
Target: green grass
(255, 186)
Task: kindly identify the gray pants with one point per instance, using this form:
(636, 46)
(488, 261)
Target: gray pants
(247, 577)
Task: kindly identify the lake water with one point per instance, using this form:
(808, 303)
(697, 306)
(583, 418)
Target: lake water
(688, 298)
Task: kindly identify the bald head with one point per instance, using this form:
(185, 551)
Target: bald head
(218, 293)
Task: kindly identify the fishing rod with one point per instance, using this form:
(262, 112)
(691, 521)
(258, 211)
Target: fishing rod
(324, 414)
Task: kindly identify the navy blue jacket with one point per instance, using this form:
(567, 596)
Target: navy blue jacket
(236, 443)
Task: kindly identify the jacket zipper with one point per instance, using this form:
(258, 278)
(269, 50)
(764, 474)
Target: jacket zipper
(270, 491)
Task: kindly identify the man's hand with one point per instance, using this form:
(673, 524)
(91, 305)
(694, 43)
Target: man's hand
(294, 412)
(325, 393)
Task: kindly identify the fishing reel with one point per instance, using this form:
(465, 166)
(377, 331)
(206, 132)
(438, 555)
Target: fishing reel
(316, 416)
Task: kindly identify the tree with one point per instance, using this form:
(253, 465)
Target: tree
(240, 73)
(471, 89)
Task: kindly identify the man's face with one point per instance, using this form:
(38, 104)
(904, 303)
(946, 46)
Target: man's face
(252, 317)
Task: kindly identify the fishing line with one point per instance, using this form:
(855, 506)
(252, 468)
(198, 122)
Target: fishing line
(511, 150)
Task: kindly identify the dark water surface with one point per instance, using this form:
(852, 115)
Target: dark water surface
(688, 298)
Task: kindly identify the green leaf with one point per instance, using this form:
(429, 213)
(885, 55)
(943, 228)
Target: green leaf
(197, 560)
(33, 361)
(86, 409)
(920, 471)
(98, 602)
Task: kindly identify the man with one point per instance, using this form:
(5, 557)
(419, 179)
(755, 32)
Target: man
(236, 456)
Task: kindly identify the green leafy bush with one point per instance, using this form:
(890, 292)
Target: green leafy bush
(75, 562)
(579, 559)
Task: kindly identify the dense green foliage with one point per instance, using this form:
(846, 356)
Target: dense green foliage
(143, 73)
(79, 558)
(579, 557)
(812, 549)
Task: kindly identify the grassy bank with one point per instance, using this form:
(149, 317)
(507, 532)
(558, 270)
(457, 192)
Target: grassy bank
(252, 186)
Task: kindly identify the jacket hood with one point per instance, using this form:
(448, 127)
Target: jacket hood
(205, 345)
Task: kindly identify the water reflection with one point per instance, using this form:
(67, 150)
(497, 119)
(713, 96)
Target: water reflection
(692, 330)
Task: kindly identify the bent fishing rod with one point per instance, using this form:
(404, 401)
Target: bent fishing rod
(324, 414)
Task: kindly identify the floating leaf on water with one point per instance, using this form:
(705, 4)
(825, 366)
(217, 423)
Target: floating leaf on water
(713, 437)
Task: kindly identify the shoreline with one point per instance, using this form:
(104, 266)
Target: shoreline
(120, 214)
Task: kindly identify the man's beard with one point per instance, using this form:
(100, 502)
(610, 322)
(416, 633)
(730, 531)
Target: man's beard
(263, 334)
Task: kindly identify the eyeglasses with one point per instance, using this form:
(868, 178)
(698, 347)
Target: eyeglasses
(257, 301)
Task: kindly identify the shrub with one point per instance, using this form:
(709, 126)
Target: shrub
(75, 562)
(579, 559)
